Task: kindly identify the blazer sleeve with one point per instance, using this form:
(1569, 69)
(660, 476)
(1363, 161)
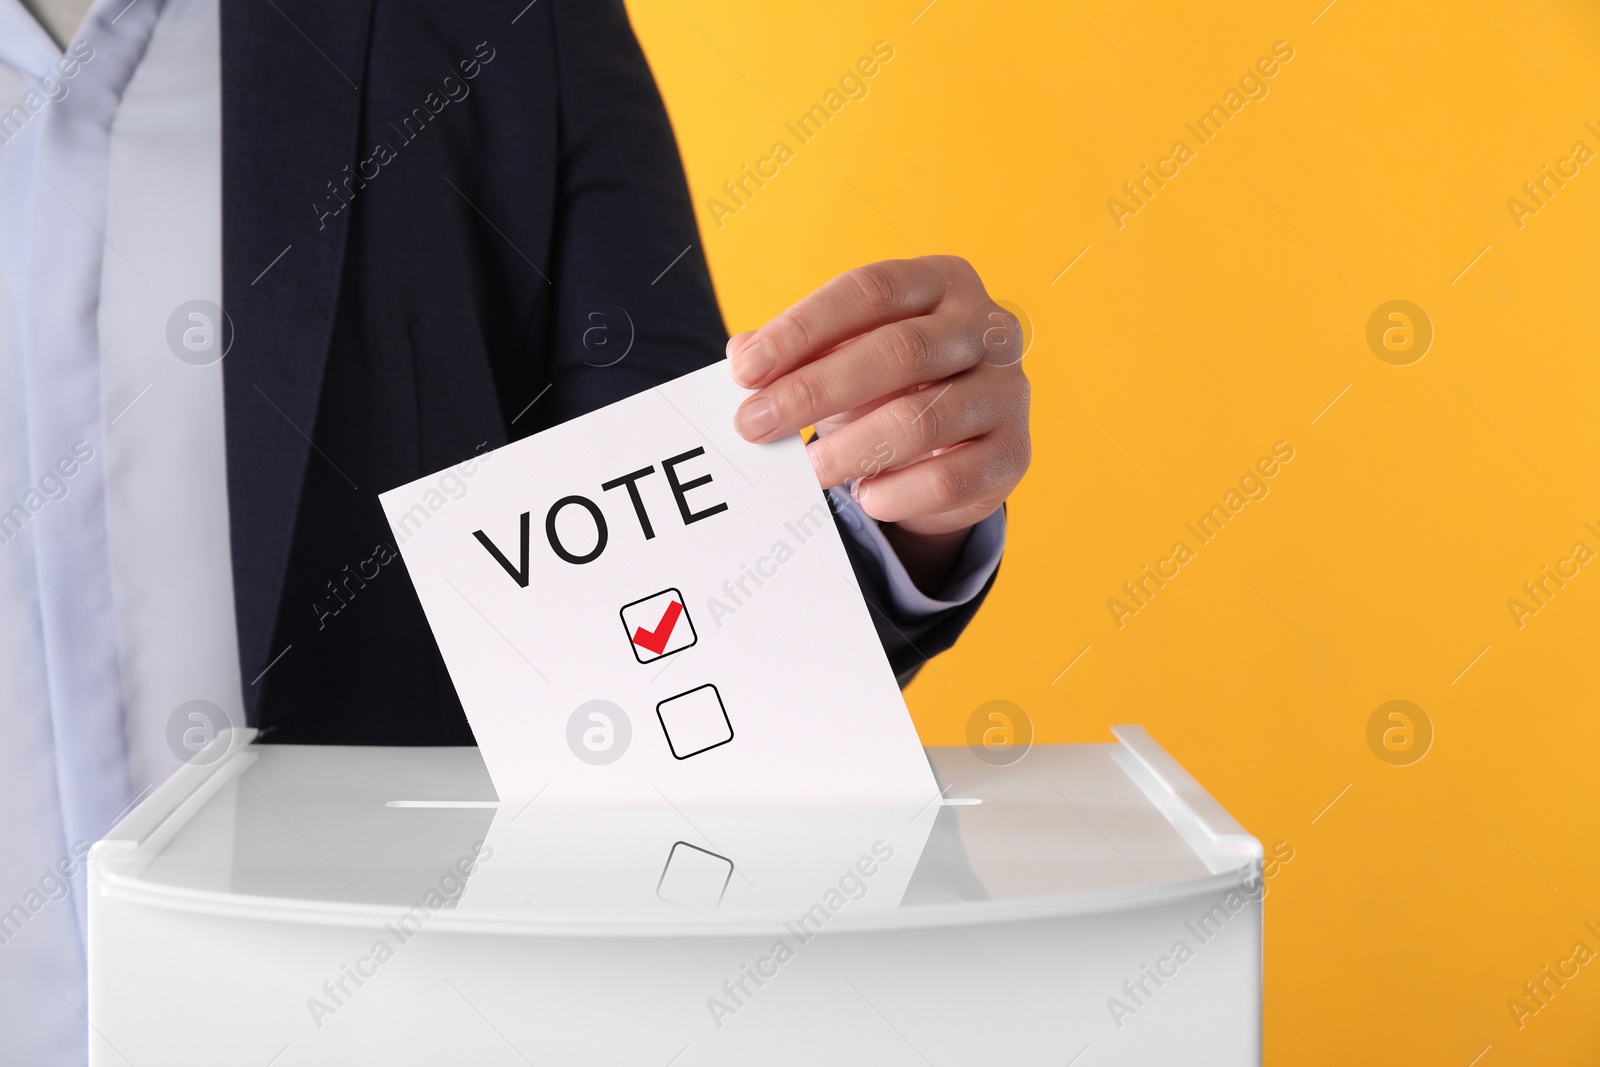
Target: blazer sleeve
(633, 305)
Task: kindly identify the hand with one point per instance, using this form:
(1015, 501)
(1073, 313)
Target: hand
(912, 376)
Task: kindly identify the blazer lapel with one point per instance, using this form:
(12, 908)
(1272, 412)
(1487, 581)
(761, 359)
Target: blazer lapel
(291, 111)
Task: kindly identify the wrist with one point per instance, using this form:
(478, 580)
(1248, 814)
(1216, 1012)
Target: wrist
(929, 558)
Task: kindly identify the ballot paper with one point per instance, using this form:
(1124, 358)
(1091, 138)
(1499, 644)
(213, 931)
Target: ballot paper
(640, 607)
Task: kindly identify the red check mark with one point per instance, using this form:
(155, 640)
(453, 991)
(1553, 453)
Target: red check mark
(656, 640)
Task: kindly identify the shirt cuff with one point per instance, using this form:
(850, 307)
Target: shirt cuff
(980, 557)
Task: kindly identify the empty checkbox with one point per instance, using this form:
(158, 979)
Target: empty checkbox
(695, 721)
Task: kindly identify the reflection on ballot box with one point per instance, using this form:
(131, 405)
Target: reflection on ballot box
(694, 878)
(331, 905)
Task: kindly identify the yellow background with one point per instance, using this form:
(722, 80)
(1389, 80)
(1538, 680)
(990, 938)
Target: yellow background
(1224, 317)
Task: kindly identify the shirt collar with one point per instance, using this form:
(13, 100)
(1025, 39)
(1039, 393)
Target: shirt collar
(24, 46)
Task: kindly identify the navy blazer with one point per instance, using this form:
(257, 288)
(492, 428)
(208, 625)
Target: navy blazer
(423, 208)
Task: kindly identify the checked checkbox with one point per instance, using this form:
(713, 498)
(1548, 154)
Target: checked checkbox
(658, 626)
(695, 721)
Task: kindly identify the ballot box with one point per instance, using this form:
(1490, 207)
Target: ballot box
(1084, 904)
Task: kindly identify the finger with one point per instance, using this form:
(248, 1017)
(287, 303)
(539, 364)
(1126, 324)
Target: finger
(737, 341)
(905, 353)
(853, 303)
(974, 477)
(909, 427)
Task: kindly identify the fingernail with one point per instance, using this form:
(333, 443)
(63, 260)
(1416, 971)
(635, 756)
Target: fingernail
(753, 363)
(756, 418)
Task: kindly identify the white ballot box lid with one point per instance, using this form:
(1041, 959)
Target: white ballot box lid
(348, 835)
